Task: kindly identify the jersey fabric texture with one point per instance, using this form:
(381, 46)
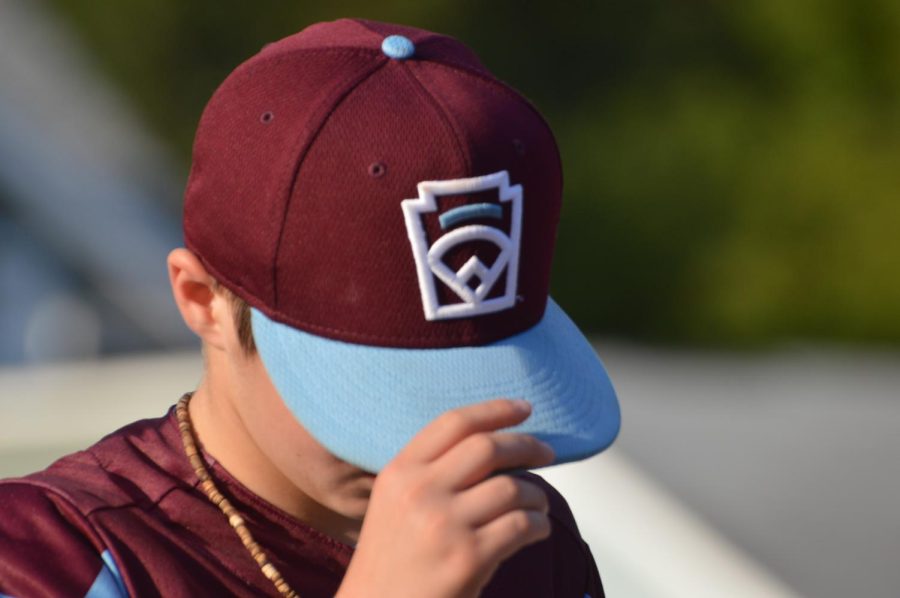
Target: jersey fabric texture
(126, 517)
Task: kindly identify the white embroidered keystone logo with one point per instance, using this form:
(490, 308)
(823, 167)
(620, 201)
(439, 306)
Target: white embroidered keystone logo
(430, 262)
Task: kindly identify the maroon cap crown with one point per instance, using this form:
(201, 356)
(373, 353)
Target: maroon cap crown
(313, 168)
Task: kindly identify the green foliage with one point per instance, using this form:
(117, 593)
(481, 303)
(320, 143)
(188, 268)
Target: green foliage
(732, 169)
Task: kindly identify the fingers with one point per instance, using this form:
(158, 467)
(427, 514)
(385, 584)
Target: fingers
(478, 455)
(455, 524)
(497, 496)
(504, 536)
(451, 427)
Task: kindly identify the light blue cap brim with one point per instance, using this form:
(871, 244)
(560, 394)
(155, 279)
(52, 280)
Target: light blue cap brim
(365, 403)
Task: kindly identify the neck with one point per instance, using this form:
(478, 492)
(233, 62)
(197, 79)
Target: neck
(223, 434)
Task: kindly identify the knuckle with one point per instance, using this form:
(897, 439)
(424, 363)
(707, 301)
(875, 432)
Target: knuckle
(456, 421)
(412, 495)
(519, 522)
(398, 463)
(391, 471)
(465, 562)
(437, 525)
(484, 447)
(390, 478)
(509, 489)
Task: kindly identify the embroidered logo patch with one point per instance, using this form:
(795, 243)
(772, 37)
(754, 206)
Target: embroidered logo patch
(465, 236)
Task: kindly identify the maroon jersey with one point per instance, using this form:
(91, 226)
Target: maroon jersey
(126, 518)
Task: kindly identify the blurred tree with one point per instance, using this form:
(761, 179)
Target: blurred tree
(731, 169)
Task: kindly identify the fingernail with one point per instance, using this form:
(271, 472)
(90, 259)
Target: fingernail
(522, 405)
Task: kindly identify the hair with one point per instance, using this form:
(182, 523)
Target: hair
(242, 322)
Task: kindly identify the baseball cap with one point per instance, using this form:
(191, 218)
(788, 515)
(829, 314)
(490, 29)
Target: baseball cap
(388, 208)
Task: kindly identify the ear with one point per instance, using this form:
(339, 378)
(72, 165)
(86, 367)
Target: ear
(202, 309)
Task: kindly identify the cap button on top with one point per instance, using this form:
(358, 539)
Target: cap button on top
(398, 47)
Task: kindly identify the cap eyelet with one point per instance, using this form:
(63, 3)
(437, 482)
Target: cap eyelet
(267, 117)
(377, 169)
(519, 146)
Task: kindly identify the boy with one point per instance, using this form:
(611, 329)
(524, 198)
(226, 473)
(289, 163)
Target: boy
(369, 224)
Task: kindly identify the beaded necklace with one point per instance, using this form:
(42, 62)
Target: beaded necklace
(218, 499)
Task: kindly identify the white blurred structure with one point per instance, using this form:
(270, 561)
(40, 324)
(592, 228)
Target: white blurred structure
(83, 233)
(646, 543)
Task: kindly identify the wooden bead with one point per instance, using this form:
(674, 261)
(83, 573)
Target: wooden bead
(235, 520)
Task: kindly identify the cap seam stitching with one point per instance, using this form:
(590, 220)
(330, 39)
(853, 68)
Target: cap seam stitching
(367, 28)
(282, 55)
(426, 36)
(297, 165)
(445, 116)
(246, 70)
(509, 91)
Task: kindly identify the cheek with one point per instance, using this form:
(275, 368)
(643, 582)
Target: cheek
(305, 463)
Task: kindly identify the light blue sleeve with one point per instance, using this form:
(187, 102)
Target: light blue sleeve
(109, 582)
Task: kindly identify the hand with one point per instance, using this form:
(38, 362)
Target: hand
(436, 524)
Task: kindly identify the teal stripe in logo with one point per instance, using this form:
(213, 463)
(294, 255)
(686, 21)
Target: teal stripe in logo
(470, 212)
